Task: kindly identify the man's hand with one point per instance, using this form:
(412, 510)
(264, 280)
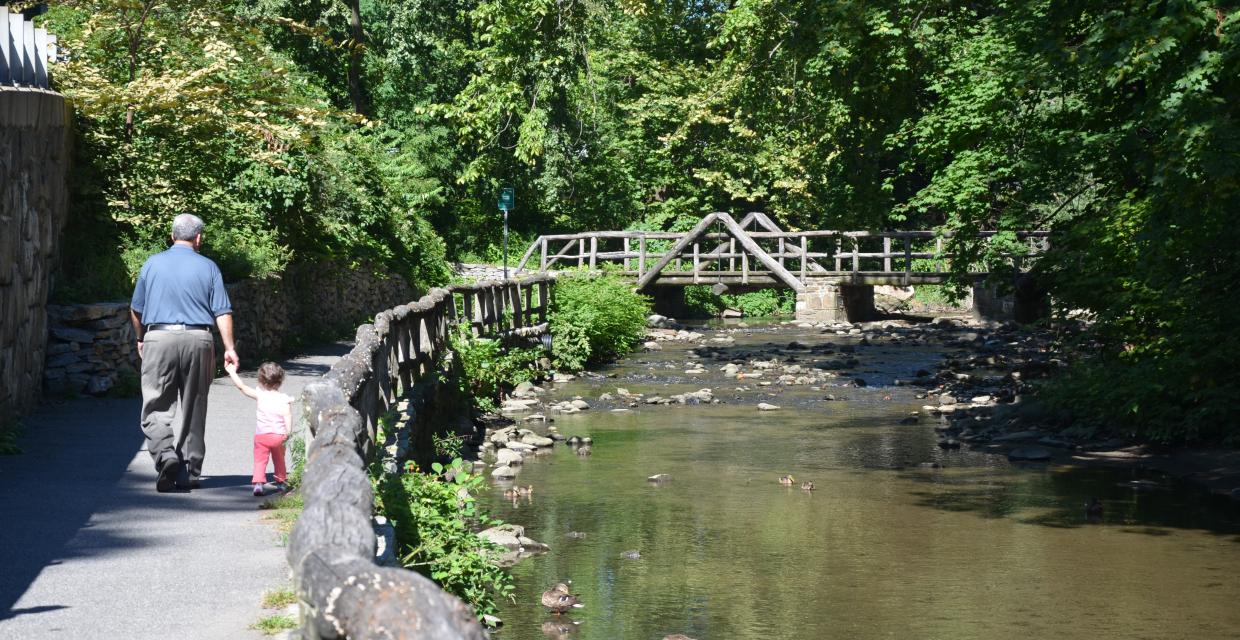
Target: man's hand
(139, 349)
(230, 358)
(230, 367)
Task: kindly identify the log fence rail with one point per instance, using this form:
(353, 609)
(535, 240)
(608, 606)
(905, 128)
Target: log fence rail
(332, 546)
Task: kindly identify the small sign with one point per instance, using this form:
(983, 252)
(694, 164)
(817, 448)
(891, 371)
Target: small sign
(507, 198)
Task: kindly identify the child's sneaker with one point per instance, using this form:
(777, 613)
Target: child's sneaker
(275, 487)
(258, 489)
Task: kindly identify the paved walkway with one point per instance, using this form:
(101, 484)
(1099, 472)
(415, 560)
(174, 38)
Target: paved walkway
(89, 549)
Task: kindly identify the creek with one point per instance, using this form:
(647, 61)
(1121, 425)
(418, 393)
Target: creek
(898, 539)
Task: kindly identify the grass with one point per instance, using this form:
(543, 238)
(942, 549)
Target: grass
(274, 624)
(284, 511)
(279, 598)
(10, 431)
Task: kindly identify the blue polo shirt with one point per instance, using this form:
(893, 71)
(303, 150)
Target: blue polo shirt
(178, 286)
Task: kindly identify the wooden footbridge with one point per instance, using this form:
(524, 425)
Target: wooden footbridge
(755, 252)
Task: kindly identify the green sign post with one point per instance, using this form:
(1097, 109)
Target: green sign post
(507, 198)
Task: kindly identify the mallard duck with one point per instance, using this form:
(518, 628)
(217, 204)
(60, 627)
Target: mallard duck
(808, 485)
(511, 494)
(525, 492)
(559, 600)
(787, 480)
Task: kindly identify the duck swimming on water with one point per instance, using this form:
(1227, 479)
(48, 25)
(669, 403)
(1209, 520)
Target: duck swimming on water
(787, 480)
(559, 600)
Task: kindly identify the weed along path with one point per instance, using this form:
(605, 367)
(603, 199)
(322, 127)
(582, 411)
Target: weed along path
(89, 549)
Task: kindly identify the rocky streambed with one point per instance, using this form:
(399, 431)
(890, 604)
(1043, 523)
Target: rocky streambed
(973, 380)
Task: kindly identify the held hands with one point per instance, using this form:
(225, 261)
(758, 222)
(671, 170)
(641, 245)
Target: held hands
(230, 357)
(230, 367)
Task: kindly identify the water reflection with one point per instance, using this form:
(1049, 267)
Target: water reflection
(898, 538)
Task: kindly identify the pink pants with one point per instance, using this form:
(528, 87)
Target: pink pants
(268, 445)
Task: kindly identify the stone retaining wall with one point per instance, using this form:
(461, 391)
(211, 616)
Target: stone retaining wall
(34, 163)
(309, 303)
(90, 347)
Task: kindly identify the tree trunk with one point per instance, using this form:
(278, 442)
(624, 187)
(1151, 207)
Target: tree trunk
(355, 58)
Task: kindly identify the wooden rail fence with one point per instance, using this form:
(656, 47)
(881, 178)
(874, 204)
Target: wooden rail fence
(755, 251)
(332, 546)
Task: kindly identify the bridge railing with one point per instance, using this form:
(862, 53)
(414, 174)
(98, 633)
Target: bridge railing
(712, 256)
(332, 546)
(25, 52)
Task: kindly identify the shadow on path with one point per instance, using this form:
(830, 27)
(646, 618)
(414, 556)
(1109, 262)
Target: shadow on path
(85, 538)
(74, 455)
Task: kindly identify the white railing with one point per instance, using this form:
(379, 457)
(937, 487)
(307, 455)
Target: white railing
(26, 52)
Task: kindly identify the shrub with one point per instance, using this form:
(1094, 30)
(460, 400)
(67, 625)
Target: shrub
(595, 318)
(702, 302)
(433, 518)
(761, 303)
(487, 369)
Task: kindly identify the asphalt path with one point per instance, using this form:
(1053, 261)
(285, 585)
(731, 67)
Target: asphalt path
(89, 549)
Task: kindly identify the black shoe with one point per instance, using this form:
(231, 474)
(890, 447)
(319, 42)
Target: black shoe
(167, 480)
(195, 482)
(185, 481)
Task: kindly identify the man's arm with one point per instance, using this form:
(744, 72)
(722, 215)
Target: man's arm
(138, 331)
(225, 324)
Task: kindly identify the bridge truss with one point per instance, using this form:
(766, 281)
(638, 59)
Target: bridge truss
(756, 252)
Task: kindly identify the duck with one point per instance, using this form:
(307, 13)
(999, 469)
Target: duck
(525, 492)
(584, 451)
(787, 480)
(1093, 510)
(511, 494)
(808, 485)
(559, 600)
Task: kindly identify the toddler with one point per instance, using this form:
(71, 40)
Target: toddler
(274, 425)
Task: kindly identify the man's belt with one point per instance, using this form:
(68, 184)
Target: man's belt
(178, 327)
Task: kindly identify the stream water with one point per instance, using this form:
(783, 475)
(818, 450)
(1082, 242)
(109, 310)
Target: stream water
(885, 546)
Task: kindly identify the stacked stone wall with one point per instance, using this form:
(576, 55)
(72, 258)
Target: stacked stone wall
(91, 347)
(34, 163)
(307, 304)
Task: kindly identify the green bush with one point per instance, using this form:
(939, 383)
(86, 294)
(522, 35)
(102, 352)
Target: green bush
(702, 302)
(762, 303)
(595, 318)
(488, 369)
(434, 519)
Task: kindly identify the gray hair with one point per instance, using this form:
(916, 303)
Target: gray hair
(186, 226)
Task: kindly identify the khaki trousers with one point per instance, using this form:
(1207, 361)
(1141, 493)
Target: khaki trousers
(177, 367)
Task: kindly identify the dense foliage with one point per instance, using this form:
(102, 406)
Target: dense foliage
(488, 369)
(595, 318)
(360, 130)
(434, 515)
(704, 302)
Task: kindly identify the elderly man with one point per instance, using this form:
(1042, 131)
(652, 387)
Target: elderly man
(178, 296)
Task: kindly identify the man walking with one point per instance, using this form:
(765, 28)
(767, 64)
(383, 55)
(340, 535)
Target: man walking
(179, 294)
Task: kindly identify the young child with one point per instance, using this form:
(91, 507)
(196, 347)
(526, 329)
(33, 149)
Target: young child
(275, 423)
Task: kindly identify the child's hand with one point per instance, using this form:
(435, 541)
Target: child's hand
(230, 367)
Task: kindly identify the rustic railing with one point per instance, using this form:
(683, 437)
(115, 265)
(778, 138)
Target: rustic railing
(332, 546)
(25, 52)
(755, 251)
